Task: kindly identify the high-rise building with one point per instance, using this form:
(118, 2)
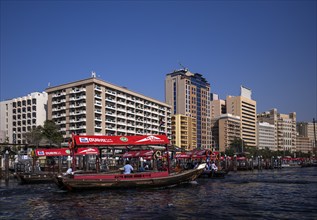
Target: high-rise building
(20, 115)
(184, 132)
(285, 128)
(95, 107)
(189, 95)
(266, 136)
(244, 107)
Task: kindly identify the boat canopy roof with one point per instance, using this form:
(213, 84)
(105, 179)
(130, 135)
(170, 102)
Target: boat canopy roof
(64, 151)
(137, 140)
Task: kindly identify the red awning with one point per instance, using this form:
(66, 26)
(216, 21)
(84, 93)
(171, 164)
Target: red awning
(199, 154)
(121, 140)
(65, 151)
(142, 153)
(183, 155)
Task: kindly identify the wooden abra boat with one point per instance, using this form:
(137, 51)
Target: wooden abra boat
(135, 180)
(151, 178)
(27, 178)
(214, 174)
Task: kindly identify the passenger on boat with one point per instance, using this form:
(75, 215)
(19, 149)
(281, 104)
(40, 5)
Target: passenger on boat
(69, 172)
(213, 166)
(146, 167)
(127, 168)
(141, 169)
(208, 166)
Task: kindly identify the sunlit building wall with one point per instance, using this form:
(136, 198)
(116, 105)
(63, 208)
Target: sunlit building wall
(244, 107)
(184, 132)
(20, 115)
(306, 129)
(95, 107)
(189, 94)
(304, 145)
(266, 136)
(285, 128)
(229, 130)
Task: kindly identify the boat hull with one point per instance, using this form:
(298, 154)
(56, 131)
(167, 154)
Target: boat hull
(216, 174)
(30, 178)
(135, 180)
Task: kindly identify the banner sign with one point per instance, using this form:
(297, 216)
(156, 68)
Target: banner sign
(121, 140)
(65, 152)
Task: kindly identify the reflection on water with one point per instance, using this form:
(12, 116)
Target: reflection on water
(279, 194)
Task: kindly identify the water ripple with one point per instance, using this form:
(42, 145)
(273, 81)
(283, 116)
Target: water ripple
(283, 194)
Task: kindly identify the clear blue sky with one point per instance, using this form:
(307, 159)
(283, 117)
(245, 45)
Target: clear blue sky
(267, 46)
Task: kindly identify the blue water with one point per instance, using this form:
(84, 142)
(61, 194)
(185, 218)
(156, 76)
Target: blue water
(290, 193)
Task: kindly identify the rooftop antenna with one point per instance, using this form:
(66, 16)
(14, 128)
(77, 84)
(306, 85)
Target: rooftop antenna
(182, 66)
(93, 74)
(49, 84)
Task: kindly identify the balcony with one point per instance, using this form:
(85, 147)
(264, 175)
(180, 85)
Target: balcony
(59, 101)
(78, 105)
(98, 119)
(78, 112)
(97, 96)
(98, 103)
(98, 126)
(98, 88)
(78, 90)
(111, 92)
(121, 123)
(59, 94)
(98, 111)
(59, 116)
(77, 98)
(111, 113)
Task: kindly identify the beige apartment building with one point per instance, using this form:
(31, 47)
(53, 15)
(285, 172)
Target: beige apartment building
(244, 107)
(184, 132)
(95, 107)
(225, 130)
(217, 108)
(20, 115)
(307, 129)
(189, 94)
(304, 145)
(285, 128)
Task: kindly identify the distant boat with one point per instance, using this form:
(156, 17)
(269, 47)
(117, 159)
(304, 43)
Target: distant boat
(216, 174)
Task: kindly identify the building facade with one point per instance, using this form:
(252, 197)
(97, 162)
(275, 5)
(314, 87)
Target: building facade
(184, 132)
(307, 129)
(285, 128)
(217, 108)
(189, 94)
(304, 145)
(244, 107)
(266, 136)
(228, 128)
(95, 107)
(20, 115)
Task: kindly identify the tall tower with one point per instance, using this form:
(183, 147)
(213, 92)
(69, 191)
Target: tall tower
(189, 94)
(244, 107)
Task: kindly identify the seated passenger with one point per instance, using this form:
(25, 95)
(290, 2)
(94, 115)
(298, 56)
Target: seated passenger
(127, 169)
